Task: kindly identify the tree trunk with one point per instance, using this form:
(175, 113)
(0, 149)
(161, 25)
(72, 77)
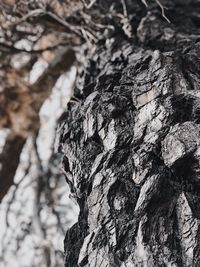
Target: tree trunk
(131, 145)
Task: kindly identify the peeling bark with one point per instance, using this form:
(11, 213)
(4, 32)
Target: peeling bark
(131, 145)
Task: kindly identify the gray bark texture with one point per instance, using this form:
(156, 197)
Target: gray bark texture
(131, 144)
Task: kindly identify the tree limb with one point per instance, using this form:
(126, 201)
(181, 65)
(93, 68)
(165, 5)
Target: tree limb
(9, 160)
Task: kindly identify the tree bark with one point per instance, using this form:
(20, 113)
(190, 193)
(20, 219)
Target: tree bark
(131, 149)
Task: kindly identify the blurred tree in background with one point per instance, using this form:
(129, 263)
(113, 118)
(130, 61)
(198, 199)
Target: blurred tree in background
(37, 70)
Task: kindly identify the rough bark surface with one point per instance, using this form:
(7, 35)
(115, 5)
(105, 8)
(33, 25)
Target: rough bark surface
(131, 144)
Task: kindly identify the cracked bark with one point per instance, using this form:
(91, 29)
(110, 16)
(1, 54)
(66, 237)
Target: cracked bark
(130, 147)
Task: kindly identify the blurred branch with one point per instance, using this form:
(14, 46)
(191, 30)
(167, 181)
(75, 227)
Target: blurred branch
(13, 49)
(9, 160)
(62, 62)
(41, 231)
(15, 191)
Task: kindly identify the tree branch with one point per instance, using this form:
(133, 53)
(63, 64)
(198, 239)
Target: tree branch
(13, 49)
(9, 160)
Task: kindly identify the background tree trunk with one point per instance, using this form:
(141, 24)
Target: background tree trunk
(131, 143)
